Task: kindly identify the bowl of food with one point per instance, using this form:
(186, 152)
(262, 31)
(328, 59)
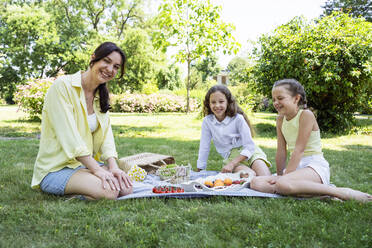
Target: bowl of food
(220, 182)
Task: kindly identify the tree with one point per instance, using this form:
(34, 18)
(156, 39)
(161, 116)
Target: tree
(196, 28)
(357, 8)
(28, 38)
(169, 77)
(330, 57)
(240, 70)
(142, 60)
(126, 14)
(39, 38)
(208, 67)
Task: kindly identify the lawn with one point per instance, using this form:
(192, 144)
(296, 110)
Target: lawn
(30, 218)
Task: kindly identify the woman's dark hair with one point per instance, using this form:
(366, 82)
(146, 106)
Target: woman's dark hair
(101, 52)
(232, 106)
(293, 86)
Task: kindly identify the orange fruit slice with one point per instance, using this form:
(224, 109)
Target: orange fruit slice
(208, 183)
(227, 181)
(218, 182)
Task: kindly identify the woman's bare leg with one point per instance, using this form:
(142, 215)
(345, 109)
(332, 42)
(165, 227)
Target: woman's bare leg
(83, 182)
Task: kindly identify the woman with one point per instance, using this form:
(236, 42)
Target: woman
(76, 129)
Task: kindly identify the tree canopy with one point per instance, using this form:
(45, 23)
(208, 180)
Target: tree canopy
(196, 28)
(357, 8)
(40, 38)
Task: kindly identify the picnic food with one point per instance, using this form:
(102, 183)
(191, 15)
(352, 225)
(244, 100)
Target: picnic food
(167, 189)
(209, 183)
(227, 181)
(218, 182)
(238, 181)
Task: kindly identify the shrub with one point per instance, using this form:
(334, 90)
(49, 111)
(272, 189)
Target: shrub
(30, 96)
(154, 103)
(331, 58)
(198, 94)
(150, 88)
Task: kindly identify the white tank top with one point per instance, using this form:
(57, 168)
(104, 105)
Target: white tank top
(92, 122)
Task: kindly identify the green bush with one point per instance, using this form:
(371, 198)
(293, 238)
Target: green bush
(332, 59)
(150, 88)
(30, 96)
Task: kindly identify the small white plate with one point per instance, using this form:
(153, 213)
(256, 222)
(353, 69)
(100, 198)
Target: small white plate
(198, 184)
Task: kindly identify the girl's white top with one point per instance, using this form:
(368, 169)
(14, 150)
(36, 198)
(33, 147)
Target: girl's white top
(92, 122)
(230, 133)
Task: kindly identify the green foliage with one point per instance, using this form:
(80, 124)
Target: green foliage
(197, 93)
(30, 96)
(169, 77)
(356, 8)
(142, 59)
(240, 70)
(246, 95)
(196, 28)
(208, 67)
(28, 38)
(150, 88)
(41, 38)
(195, 79)
(332, 59)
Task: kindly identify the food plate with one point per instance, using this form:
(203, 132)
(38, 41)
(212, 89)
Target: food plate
(198, 184)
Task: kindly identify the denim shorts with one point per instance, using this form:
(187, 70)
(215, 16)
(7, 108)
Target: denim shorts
(55, 182)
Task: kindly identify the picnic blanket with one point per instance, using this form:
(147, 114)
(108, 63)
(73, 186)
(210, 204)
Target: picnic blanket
(144, 189)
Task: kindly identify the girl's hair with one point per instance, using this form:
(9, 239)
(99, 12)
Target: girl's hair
(232, 106)
(101, 52)
(295, 88)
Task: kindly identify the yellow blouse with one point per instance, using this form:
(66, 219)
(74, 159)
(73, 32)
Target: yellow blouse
(65, 132)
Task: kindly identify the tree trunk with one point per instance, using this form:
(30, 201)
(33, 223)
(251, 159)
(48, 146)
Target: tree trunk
(188, 86)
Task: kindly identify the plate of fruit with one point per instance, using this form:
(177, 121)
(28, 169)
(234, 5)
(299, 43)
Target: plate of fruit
(220, 182)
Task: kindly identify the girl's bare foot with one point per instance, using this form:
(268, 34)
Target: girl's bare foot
(351, 194)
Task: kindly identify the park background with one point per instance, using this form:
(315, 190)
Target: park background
(175, 50)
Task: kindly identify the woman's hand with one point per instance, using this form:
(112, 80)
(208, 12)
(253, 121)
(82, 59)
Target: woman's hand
(122, 177)
(107, 178)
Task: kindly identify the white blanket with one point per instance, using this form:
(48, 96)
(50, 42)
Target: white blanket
(144, 189)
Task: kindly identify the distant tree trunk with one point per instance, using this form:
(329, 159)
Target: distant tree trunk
(188, 86)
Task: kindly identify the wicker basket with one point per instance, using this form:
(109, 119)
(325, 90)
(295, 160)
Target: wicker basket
(151, 162)
(175, 175)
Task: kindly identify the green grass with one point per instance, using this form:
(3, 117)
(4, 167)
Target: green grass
(30, 218)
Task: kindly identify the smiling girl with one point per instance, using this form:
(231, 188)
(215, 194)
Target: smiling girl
(307, 172)
(229, 128)
(76, 128)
